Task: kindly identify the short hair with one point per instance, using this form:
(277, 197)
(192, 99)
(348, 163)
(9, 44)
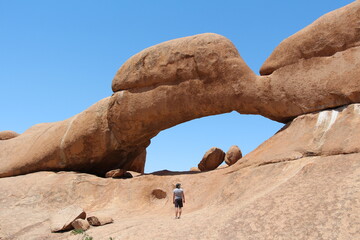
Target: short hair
(178, 185)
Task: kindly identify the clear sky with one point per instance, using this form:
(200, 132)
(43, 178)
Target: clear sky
(57, 58)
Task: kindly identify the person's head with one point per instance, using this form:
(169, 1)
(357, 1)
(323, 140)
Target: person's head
(178, 185)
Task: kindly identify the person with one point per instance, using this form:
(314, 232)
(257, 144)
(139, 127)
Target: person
(178, 200)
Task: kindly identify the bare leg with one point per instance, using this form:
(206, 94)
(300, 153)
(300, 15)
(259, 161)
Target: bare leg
(176, 212)
(180, 210)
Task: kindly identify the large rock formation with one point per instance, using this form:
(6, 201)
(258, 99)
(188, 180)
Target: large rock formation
(189, 78)
(326, 133)
(306, 196)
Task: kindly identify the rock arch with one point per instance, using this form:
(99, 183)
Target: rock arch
(192, 77)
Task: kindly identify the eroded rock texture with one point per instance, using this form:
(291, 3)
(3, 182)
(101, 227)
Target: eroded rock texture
(326, 133)
(187, 78)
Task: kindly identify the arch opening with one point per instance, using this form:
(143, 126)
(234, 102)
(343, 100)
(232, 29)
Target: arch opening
(181, 147)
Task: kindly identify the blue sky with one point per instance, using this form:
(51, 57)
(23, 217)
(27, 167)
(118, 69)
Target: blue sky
(57, 58)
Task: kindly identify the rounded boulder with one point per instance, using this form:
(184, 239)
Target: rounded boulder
(212, 159)
(233, 155)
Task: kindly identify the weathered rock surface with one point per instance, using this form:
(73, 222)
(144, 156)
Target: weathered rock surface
(71, 144)
(334, 32)
(212, 159)
(176, 81)
(99, 220)
(316, 83)
(307, 177)
(189, 78)
(233, 155)
(5, 135)
(80, 224)
(326, 133)
(62, 220)
(138, 162)
(311, 196)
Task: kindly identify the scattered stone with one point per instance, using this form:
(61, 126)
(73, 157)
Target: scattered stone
(212, 159)
(61, 221)
(99, 220)
(81, 224)
(233, 155)
(5, 135)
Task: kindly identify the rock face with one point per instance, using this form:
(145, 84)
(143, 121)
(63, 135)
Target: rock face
(212, 159)
(174, 82)
(233, 155)
(303, 182)
(327, 133)
(334, 32)
(62, 220)
(5, 135)
(189, 78)
(138, 163)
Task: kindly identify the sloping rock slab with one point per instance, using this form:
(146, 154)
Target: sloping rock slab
(62, 220)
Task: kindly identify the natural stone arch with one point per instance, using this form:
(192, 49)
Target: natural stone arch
(189, 78)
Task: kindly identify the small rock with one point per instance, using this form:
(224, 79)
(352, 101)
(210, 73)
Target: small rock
(99, 221)
(116, 173)
(81, 224)
(194, 169)
(233, 155)
(61, 221)
(212, 159)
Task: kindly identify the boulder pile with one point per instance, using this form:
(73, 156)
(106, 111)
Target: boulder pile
(215, 156)
(212, 159)
(73, 217)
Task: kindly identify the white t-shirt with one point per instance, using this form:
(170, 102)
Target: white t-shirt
(178, 193)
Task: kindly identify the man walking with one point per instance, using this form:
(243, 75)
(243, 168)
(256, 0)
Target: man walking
(178, 200)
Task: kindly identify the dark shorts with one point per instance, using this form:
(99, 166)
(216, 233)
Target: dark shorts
(178, 203)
